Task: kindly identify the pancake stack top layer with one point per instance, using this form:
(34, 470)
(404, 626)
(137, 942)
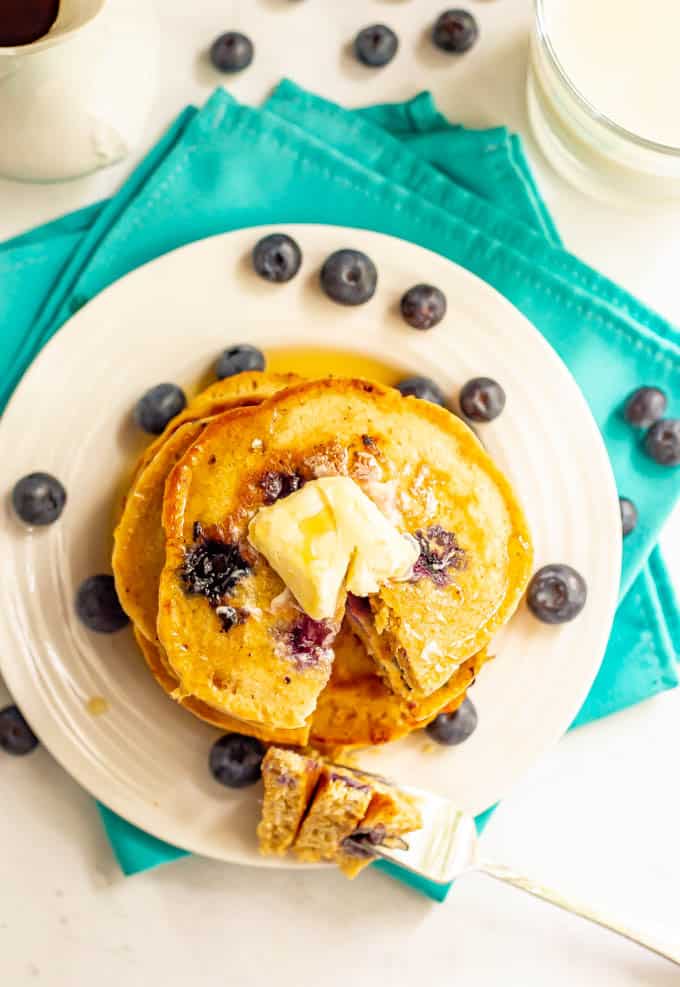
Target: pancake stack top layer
(232, 635)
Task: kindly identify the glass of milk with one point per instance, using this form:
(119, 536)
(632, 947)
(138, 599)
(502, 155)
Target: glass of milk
(604, 95)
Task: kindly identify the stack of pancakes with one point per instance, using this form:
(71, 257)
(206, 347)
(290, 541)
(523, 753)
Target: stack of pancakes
(219, 630)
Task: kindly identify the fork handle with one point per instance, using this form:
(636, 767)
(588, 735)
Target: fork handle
(523, 883)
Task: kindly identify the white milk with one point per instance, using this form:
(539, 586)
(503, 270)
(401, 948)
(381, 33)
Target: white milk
(624, 57)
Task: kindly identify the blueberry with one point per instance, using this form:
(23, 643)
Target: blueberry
(662, 442)
(277, 257)
(455, 31)
(422, 387)
(158, 406)
(645, 406)
(38, 498)
(349, 277)
(238, 359)
(629, 515)
(235, 760)
(98, 606)
(231, 52)
(453, 728)
(482, 399)
(16, 737)
(557, 594)
(423, 306)
(376, 45)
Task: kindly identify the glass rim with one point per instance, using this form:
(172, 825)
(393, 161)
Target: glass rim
(647, 143)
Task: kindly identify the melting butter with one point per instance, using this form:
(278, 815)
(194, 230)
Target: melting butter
(329, 536)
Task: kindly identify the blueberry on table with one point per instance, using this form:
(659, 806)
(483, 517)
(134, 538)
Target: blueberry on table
(277, 257)
(231, 52)
(422, 387)
(349, 277)
(450, 729)
(238, 359)
(455, 31)
(159, 406)
(482, 399)
(376, 45)
(16, 737)
(645, 406)
(423, 306)
(557, 593)
(662, 442)
(38, 498)
(98, 606)
(236, 760)
(629, 515)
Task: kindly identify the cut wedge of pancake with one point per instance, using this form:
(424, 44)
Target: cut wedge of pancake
(240, 652)
(357, 709)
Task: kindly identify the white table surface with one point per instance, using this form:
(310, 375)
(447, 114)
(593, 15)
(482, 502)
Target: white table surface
(599, 816)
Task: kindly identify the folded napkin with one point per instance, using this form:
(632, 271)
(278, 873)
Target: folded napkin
(401, 169)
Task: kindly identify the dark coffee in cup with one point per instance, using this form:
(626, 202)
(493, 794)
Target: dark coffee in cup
(24, 21)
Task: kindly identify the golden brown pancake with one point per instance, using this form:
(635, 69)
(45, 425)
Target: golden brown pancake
(355, 709)
(242, 653)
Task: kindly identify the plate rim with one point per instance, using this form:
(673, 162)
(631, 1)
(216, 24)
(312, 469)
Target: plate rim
(607, 608)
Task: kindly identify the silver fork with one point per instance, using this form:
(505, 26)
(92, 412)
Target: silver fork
(447, 848)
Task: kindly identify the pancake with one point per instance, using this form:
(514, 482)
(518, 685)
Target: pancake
(339, 804)
(354, 710)
(422, 466)
(158, 667)
(348, 805)
(289, 781)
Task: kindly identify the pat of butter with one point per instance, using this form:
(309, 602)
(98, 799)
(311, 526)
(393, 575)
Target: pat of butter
(329, 535)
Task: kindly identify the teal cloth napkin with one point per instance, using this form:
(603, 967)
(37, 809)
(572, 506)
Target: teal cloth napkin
(401, 169)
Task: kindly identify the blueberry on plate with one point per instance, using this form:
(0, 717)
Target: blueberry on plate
(158, 406)
(238, 359)
(98, 606)
(376, 45)
(422, 387)
(557, 593)
(629, 515)
(482, 399)
(231, 52)
(277, 257)
(455, 31)
(16, 737)
(38, 498)
(349, 277)
(645, 406)
(453, 728)
(662, 442)
(423, 306)
(236, 760)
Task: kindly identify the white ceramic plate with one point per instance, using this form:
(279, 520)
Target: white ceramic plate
(146, 758)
